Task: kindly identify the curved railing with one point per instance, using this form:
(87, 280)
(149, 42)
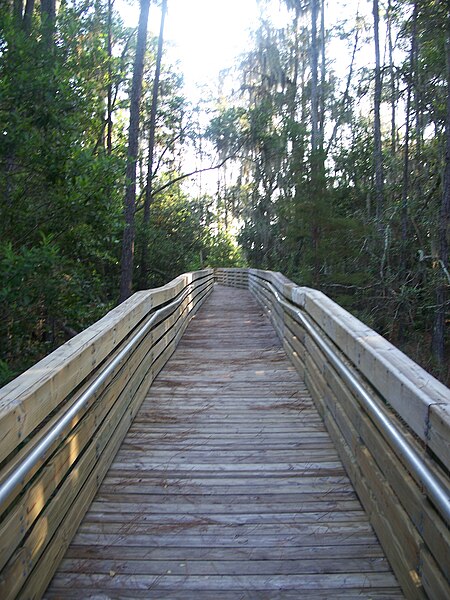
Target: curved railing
(389, 419)
(62, 422)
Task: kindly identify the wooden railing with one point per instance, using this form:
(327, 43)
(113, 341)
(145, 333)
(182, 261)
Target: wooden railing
(232, 277)
(62, 422)
(389, 419)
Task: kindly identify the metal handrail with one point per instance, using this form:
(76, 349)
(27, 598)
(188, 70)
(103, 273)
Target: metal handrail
(20, 473)
(435, 489)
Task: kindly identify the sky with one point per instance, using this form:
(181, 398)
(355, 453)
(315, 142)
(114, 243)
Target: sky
(205, 36)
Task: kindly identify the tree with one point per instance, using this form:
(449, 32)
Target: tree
(151, 150)
(48, 19)
(443, 226)
(126, 278)
(314, 79)
(378, 153)
(60, 211)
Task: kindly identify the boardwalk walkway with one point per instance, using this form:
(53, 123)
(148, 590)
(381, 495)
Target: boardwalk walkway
(227, 484)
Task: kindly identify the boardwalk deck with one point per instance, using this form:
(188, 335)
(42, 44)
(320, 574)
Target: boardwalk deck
(227, 484)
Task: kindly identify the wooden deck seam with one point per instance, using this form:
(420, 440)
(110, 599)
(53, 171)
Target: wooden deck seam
(227, 483)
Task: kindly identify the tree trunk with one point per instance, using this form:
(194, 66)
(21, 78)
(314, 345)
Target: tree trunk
(17, 11)
(322, 78)
(151, 149)
(27, 16)
(406, 161)
(314, 79)
(378, 156)
(48, 18)
(443, 226)
(346, 95)
(296, 59)
(418, 109)
(110, 83)
(405, 184)
(392, 81)
(126, 277)
(317, 181)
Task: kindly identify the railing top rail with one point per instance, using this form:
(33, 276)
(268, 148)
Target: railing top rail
(413, 393)
(44, 370)
(437, 490)
(13, 479)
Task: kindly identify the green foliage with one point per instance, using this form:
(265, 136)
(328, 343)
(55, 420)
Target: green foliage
(227, 130)
(222, 251)
(6, 374)
(312, 214)
(31, 284)
(59, 195)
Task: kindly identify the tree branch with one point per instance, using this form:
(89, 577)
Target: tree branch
(166, 149)
(346, 95)
(185, 175)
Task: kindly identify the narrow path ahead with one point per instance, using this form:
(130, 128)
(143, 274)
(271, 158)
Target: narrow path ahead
(227, 484)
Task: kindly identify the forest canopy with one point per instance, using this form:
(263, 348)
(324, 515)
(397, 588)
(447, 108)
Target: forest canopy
(335, 172)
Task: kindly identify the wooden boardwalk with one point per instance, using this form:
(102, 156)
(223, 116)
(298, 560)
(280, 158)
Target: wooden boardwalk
(227, 484)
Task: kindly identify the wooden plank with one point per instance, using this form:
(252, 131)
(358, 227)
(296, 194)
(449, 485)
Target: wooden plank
(439, 432)
(129, 504)
(14, 574)
(264, 583)
(54, 377)
(270, 309)
(237, 483)
(436, 586)
(14, 528)
(218, 553)
(110, 521)
(229, 567)
(255, 594)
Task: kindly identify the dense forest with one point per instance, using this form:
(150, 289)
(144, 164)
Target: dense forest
(334, 171)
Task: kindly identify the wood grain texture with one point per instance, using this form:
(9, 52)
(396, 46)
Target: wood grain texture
(227, 484)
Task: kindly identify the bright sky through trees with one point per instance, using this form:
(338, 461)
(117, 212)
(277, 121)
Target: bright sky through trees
(204, 35)
(207, 36)
(290, 101)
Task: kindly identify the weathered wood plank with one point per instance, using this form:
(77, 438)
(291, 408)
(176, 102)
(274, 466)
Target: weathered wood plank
(216, 553)
(21, 406)
(253, 594)
(266, 583)
(227, 482)
(229, 567)
(40, 523)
